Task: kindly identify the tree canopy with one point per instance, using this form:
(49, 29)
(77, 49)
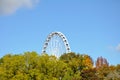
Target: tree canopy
(69, 66)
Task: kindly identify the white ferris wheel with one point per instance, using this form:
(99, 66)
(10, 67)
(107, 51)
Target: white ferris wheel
(56, 44)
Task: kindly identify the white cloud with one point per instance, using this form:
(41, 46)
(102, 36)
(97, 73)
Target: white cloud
(118, 47)
(10, 6)
(114, 48)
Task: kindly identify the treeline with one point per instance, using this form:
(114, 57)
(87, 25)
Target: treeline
(69, 66)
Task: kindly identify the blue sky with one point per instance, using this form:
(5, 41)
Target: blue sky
(91, 26)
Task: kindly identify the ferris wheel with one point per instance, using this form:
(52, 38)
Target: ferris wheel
(56, 44)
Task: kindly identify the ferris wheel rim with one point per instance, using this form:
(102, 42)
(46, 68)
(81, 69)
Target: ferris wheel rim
(62, 36)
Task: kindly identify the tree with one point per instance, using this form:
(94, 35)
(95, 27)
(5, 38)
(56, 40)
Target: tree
(114, 73)
(102, 72)
(101, 62)
(77, 63)
(89, 74)
(70, 66)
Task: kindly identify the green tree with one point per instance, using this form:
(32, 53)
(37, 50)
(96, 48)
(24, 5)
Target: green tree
(89, 74)
(77, 63)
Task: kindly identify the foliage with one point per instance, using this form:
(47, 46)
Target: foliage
(101, 62)
(89, 74)
(70, 66)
